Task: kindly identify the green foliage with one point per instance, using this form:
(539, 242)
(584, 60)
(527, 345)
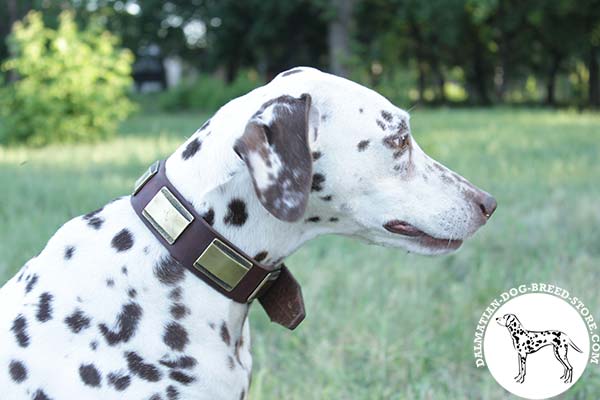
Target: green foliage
(72, 83)
(208, 93)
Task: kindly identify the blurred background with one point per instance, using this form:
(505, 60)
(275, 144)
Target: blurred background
(505, 92)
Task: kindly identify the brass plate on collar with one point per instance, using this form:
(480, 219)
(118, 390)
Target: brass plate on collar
(222, 265)
(142, 180)
(167, 215)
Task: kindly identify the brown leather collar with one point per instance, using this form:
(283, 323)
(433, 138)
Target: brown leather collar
(192, 242)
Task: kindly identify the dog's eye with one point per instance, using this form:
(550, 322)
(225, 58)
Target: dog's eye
(401, 142)
(397, 142)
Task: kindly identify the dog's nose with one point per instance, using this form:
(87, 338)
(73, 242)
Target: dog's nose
(487, 203)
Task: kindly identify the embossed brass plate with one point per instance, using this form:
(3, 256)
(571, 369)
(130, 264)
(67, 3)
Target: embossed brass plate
(167, 215)
(222, 264)
(150, 172)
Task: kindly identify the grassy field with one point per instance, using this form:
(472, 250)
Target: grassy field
(382, 324)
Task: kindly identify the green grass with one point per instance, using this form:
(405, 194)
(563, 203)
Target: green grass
(382, 324)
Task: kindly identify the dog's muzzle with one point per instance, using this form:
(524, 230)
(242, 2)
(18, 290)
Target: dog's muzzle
(196, 245)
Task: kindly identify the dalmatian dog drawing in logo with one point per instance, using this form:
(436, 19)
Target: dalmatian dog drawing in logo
(528, 342)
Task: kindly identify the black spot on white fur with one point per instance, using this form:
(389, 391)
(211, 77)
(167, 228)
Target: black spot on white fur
(96, 222)
(40, 395)
(225, 336)
(90, 375)
(313, 219)
(291, 71)
(362, 145)
(141, 369)
(93, 219)
(175, 294)
(44, 312)
(125, 326)
(184, 362)
(386, 115)
(17, 371)
(317, 182)
(175, 336)
(19, 329)
(169, 271)
(119, 381)
(236, 213)
(261, 256)
(122, 241)
(209, 216)
(204, 125)
(69, 251)
(77, 321)
(31, 282)
(182, 378)
(316, 155)
(172, 393)
(179, 310)
(191, 149)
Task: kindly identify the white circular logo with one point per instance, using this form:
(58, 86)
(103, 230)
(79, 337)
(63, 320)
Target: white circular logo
(536, 345)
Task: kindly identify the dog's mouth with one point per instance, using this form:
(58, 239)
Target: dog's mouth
(424, 239)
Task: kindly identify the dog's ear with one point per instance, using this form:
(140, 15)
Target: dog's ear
(275, 148)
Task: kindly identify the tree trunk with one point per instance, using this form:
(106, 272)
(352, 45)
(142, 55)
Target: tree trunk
(13, 12)
(231, 70)
(479, 75)
(421, 81)
(339, 37)
(441, 81)
(594, 83)
(551, 83)
(502, 72)
(13, 16)
(415, 33)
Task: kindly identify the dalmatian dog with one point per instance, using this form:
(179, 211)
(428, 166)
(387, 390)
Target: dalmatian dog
(103, 312)
(528, 342)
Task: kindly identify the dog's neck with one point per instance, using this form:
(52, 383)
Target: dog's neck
(216, 182)
(233, 211)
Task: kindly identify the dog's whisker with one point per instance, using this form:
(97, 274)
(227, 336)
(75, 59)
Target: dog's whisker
(412, 107)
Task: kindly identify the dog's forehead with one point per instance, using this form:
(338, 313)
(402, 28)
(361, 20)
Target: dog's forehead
(341, 99)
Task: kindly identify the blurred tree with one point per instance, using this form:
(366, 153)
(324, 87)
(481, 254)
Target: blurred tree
(489, 47)
(550, 27)
(588, 15)
(339, 35)
(271, 35)
(72, 82)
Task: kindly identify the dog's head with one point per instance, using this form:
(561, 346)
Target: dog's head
(329, 153)
(507, 320)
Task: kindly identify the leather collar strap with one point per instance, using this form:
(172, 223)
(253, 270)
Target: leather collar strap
(192, 242)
